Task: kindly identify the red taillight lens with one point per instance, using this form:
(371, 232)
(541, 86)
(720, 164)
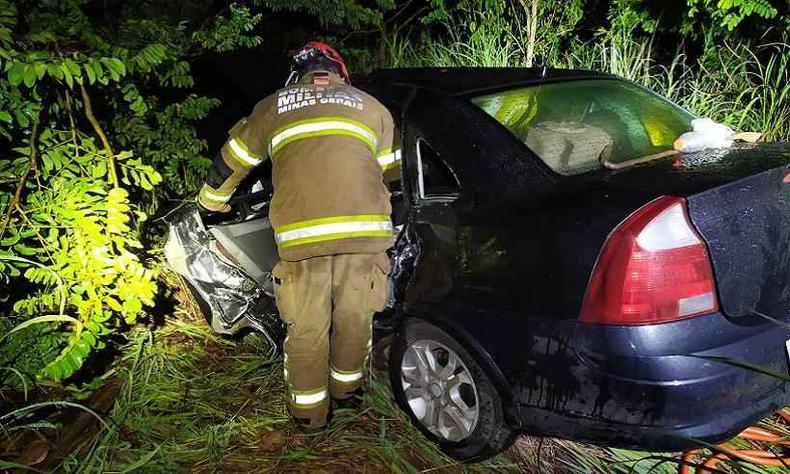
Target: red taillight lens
(654, 268)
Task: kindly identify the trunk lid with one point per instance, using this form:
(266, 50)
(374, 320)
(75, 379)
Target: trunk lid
(687, 174)
(743, 214)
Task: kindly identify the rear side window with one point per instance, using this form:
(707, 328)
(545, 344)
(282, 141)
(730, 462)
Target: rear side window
(435, 178)
(573, 125)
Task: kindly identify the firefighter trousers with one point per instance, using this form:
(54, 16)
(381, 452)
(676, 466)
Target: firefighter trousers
(319, 296)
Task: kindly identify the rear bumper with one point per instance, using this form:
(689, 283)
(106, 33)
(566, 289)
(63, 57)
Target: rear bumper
(664, 387)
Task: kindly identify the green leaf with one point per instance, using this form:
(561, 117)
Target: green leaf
(113, 303)
(73, 67)
(67, 75)
(88, 337)
(5, 116)
(132, 305)
(25, 250)
(81, 348)
(100, 170)
(116, 67)
(11, 240)
(17, 73)
(30, 75)
(21, 118)
(52, 235)
(55, 370)
(55, 71)
(145, 184)
(115, 76)
(97, 68)
(103, 316)
(41, 69)
(70, 362)
(93, 327)
(74, 70)
(91, 73)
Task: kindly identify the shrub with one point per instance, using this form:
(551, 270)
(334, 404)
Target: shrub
(75, 184)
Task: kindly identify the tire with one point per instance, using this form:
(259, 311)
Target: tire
(483, 432)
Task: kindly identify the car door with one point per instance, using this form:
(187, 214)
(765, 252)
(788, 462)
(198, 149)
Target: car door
(480, 272)
(434, 193)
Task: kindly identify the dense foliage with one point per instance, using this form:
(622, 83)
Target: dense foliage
(76, 184)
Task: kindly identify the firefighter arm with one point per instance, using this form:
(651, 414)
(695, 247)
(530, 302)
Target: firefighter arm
(243, 151)
(220, 184)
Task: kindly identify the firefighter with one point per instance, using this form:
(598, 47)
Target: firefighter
(330, 145)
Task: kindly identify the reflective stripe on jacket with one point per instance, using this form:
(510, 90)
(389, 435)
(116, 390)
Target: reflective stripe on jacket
(330, 146)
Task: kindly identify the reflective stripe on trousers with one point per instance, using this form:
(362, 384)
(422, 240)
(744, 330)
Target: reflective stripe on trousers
(340, 292)
(309, 398)
(345, 376)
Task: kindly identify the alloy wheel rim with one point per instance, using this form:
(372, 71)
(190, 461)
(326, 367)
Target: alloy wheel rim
(440, 390)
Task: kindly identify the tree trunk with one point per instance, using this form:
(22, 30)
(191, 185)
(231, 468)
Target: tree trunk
(532, 21)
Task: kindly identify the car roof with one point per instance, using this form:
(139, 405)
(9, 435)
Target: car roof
(464, 80)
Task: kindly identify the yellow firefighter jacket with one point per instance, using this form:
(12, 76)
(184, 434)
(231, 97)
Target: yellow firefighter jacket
(329, 145)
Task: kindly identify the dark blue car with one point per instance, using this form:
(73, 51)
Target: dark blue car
(559, 270)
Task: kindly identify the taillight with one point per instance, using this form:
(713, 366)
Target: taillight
(654, 268)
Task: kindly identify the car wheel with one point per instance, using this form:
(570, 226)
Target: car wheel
(446, 393)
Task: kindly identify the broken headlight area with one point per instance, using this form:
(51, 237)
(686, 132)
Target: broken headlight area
(232, 300)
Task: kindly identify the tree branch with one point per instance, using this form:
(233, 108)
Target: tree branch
(72, 124)
(531, 9)
(20, 185)
(103, 136)
(410, 19)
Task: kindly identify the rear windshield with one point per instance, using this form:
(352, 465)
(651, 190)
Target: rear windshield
(572, 125)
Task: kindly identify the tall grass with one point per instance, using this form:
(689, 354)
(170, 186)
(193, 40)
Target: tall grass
(193, 402)
(746, 87)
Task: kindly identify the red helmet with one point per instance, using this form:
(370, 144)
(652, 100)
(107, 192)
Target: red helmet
(314, 51)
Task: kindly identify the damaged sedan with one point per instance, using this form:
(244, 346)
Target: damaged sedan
(559, 268)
